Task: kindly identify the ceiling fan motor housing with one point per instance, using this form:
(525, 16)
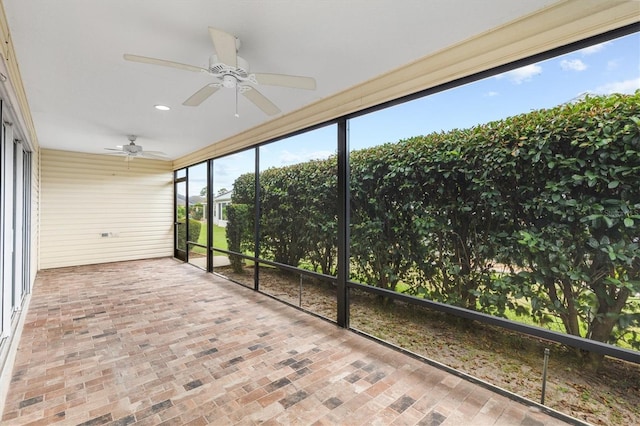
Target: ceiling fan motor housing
(132, 149)
(217, 67)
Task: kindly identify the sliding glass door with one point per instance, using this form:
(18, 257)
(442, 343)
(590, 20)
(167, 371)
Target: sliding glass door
(15, 161)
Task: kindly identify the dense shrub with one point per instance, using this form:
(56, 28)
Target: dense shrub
(298, 218)
(239, 232)
(542, 207)
(194, 232)
(196, 211)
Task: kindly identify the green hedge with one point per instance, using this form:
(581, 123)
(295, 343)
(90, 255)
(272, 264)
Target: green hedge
(194, 232)
(542, 207)
(239, 232)
(298, 219)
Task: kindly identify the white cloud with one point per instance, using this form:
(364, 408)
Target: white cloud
(626, 86)
(491, 94)
(573, 65)
(612, 65)
(287, 157)
(593, 49)
(522, 74)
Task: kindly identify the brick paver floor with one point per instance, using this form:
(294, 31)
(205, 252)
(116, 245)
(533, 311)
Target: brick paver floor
(161, 342)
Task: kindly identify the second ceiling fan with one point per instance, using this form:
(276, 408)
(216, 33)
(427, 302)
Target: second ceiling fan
(232, 72)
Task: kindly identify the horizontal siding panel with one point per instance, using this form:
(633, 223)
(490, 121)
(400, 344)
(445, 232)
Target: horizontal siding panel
(104, 249)
(133, 216)
(112, 244)
(86, 195)
(131, 220)
(113, 184)
(123, 241)
(96, 239)
(86, 227)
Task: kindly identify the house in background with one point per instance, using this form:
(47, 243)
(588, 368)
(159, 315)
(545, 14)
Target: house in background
(220, 203)
(66, 94)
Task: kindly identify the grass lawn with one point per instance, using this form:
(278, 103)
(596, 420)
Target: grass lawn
(219, 238)
(552, 322)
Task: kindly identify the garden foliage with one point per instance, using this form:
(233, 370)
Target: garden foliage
(541, 208)
(194, 233)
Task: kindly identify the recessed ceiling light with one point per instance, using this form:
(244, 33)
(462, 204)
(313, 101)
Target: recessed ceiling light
(162, 107)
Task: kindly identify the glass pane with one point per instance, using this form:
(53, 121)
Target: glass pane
(313, 294)
(233, 215)
(197, 214)
(198, 256)
(449, 205)
(298, 196)
(510, 196)
(223, 266)
(181, 218)
(26, 229)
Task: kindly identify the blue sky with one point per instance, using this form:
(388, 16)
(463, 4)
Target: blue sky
(611, 67)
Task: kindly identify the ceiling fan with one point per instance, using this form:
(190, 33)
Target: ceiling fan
(132, 151)
(232, 72)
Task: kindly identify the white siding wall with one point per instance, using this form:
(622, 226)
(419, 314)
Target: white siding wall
(85, 195)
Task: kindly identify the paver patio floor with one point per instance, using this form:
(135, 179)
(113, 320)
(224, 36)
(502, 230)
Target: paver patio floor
(161, 342)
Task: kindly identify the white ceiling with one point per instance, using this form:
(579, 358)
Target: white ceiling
(85, 97)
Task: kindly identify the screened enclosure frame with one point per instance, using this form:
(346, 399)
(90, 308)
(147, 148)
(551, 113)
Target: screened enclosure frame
(341, 279)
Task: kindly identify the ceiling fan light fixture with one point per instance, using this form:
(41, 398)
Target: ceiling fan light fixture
(229, 81)
(162, 107)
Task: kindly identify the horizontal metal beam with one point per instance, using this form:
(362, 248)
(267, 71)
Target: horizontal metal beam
(554, 336)
(289, 268)
(565, 339)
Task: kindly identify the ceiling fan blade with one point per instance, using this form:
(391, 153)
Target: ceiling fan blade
(158, 153)
(147, 154)
(261, 101)
(162, 62)
(295, 81)
(225, 45)
(114, 149)
(201, 95)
